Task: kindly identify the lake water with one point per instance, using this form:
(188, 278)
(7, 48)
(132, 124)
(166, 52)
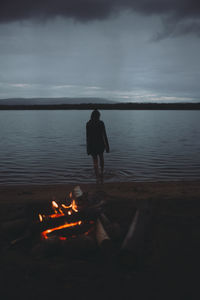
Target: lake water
(47, 147)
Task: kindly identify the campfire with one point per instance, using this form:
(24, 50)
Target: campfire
(77, 225)
(69, 219)
(62, 216)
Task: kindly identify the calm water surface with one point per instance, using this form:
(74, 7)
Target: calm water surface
(44, 147)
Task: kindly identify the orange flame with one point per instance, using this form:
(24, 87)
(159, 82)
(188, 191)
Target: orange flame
(40, 217)
(54, 204)
(62, 238)
(46, 232)
(56, 215)
(60, 210)
(74, 206)
(65, 206)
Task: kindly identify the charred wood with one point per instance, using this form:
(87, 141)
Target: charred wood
(89, 214)
(102, 237)
(72, 231)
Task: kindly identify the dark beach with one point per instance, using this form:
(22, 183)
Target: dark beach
(167, 268)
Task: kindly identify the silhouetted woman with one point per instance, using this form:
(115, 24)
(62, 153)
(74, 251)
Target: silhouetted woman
(97, 142)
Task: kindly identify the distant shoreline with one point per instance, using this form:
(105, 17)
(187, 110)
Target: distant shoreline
(115, 106)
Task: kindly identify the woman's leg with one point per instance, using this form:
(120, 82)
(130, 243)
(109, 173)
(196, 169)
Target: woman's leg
(101, 163)
(96, 168)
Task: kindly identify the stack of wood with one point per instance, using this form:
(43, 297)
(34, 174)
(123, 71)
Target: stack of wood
(95, 232)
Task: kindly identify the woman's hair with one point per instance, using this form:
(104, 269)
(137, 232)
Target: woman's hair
(95, 115)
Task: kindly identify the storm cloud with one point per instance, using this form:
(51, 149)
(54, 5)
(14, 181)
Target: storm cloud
(100, 48)
(88, 10)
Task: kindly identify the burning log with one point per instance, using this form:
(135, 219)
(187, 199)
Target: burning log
(70, 229)
(70, 219)
(72, 226)
(88, 214)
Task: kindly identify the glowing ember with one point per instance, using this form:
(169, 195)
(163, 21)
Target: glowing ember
(59, 211)
(54, 204)
(74, 206)
(58, 215)
(40, 218)
(64, 206)
(48, 231)
(62, 238)
(65, 209)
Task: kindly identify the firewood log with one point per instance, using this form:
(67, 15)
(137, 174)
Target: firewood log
(101, 233)
(87, 214)
(74, 230)
(133, 247)
(135, 237)
(113, 229)
(102, 237)
(128, 239)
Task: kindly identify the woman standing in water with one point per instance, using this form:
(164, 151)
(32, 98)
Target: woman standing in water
(97, 142)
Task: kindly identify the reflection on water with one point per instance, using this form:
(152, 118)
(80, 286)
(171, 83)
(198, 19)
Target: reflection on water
(43, 147)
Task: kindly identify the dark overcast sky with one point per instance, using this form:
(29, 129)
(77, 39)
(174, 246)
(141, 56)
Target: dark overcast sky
(143, 50)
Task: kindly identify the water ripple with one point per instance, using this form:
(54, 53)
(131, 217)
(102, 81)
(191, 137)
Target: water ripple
(140, 151)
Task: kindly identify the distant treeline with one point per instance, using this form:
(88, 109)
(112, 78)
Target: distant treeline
(119, 106)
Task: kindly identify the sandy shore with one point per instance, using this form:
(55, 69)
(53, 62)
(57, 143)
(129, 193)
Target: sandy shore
(129, 190)
(168, 269)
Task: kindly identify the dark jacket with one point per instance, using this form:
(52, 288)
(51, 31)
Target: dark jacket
(97, 140)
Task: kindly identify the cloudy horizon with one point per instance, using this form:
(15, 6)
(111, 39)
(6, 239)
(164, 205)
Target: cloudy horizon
(136, 51)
